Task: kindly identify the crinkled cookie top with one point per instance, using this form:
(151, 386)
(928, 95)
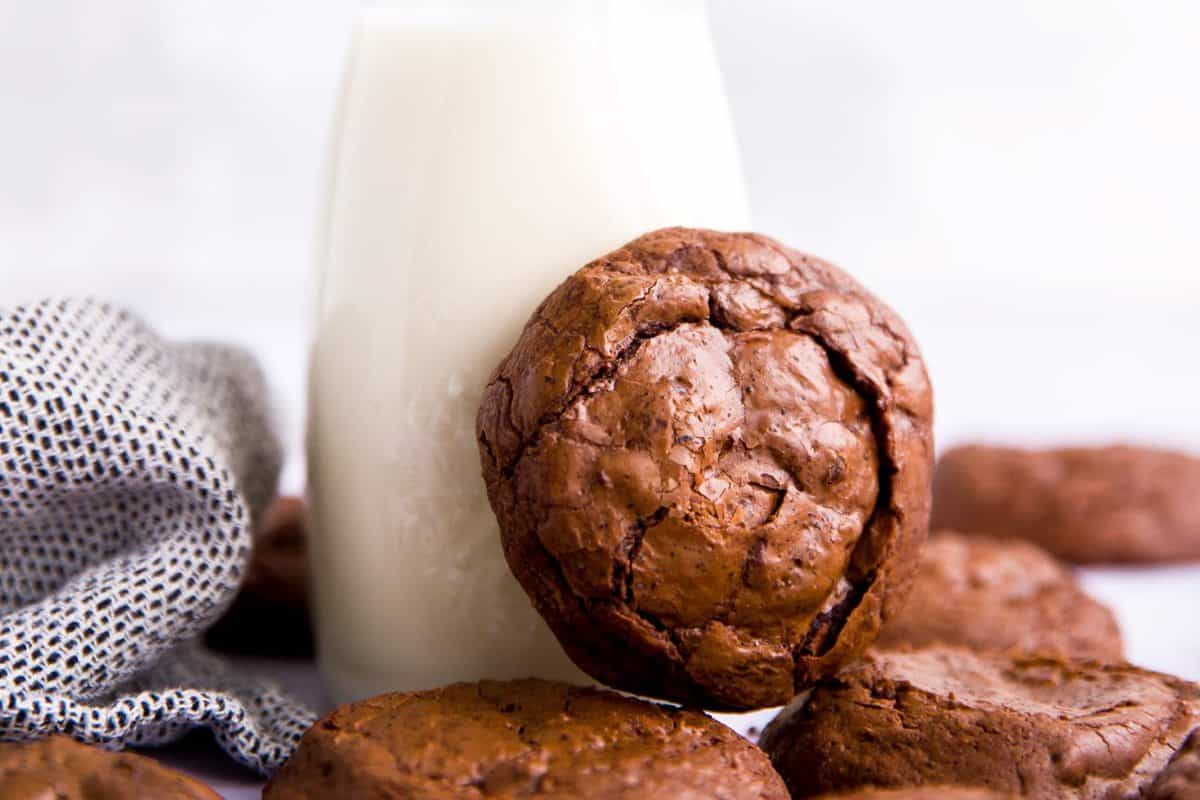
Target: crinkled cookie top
(710, 458)
(1035, 726)
(528, 738)
(59, 768)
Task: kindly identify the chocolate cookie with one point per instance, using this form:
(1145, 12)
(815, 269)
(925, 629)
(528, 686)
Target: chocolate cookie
(62, 769)
(270, 615)
(710, 458)
(1032, 726)
(1000, 596)
(1087, 505)
(510, 739)
(1181, 778)
(931, 792)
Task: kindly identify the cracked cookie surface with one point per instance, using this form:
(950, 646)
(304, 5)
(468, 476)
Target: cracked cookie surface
(928, 792)
(528, 738)
(1032, 726)
(1088, 505)
(1180, 780)
(996, 595)
(710, 457)
(60, 768)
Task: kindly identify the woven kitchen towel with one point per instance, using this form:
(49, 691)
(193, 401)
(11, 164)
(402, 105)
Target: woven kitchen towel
(131, 473)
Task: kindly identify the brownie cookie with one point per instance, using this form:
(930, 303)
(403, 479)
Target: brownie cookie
(1027, 725)
(63, 769)
(1087, 505)
(999, 596)
(930, 792)
(510, 739)
(1181, 778)
(710, 456)
(270, 615)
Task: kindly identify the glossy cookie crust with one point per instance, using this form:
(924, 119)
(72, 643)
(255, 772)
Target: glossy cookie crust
(1038, 727)
(1088, 505)
(997, 596)
(710, 457)
(60, 768)
(520, 739)
(1180, 780)
(927, 792)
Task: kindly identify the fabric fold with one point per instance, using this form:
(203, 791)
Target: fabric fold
(132, 471)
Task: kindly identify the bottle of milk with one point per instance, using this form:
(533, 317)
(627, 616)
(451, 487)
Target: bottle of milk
(482, 152)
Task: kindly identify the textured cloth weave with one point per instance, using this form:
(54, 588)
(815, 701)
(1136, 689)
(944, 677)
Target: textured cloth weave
(132, 471)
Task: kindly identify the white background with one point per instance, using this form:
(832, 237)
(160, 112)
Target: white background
(1020, 179)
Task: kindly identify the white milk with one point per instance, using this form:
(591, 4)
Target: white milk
(481, 155)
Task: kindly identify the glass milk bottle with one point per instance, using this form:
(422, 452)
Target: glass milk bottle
(482, 152)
